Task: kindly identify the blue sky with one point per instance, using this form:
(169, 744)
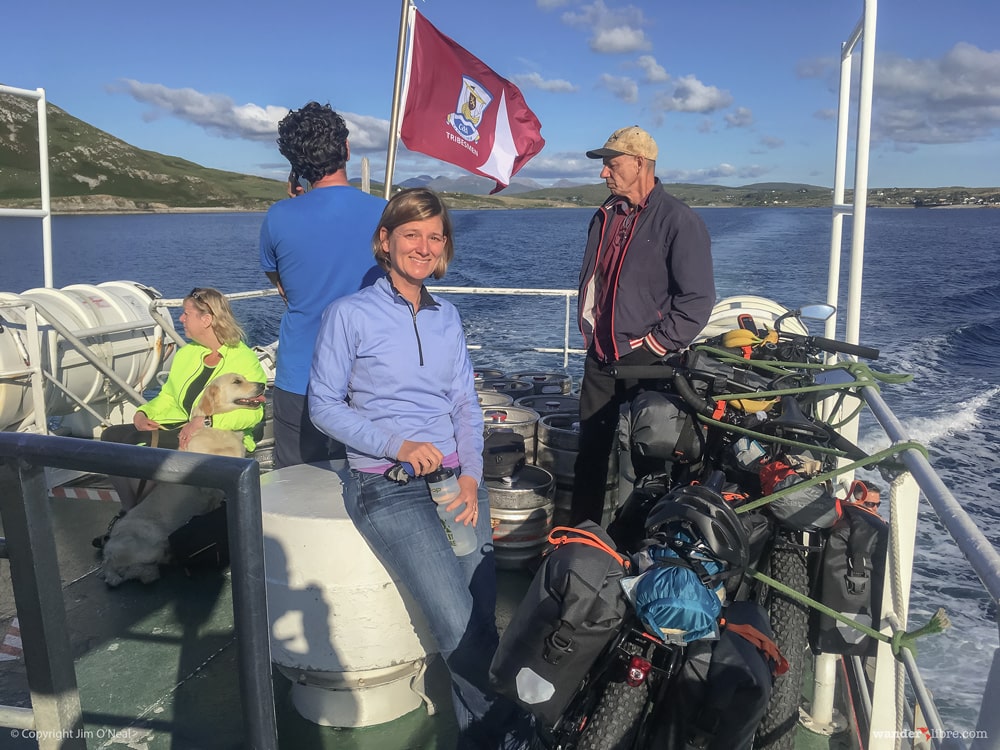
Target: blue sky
(734, 92)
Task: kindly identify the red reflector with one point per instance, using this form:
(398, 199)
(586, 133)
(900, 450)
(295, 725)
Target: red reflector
(638, 668)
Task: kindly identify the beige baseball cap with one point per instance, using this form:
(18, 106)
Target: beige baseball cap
(631, 140)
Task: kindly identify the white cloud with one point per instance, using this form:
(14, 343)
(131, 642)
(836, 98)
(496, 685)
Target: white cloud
(817, 67)
(623, 88)
(220, 115)
(691, 95)
(771, 142)
(217, 113)
(655, 73)
(954, 99)
(718, 172)
(741, 118)
(618, 40)
(825, 114)
(564, 165)
(535, 80)
(367, 133)
(613, 30)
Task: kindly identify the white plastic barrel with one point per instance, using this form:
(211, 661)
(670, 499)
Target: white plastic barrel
(112, 320)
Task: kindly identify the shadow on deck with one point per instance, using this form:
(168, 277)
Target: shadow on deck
(156, 664)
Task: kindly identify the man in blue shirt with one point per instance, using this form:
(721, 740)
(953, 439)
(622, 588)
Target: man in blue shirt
(314, 249)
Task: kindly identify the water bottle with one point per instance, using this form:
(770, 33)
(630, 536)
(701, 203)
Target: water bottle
(444, 488)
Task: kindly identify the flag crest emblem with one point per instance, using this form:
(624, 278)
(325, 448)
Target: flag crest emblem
(473, 99)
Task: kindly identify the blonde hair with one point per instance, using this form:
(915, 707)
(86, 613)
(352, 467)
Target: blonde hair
(214, 303)
(415, 204)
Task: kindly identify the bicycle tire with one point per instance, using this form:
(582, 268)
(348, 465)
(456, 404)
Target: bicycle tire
(790, 623)
(616, 718)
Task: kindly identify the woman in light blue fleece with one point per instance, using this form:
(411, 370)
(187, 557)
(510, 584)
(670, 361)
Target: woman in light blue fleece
(392, 380)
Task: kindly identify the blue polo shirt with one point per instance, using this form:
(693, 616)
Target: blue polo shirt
(320, 243)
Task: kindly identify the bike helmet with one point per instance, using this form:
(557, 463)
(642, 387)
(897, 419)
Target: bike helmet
(704, 517)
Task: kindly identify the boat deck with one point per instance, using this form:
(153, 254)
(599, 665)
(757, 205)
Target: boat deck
(157, 664)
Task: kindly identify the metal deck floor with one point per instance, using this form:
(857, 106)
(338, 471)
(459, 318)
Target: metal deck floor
(156, 664)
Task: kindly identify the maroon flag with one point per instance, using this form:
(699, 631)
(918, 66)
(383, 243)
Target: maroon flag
(458, 110)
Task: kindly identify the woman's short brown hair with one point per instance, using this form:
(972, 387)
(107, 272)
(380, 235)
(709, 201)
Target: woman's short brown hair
(414, 204)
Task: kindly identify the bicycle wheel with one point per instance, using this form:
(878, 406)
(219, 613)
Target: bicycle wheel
(616, 717)
(790, 622)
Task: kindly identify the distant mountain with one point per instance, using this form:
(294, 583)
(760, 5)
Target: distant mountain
(469, 184)
(763, 194)
(92, 170)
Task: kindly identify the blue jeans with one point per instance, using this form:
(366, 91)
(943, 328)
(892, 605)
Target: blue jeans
(457, 595)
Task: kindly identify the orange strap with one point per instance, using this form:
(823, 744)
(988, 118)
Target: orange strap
(763, 643)
(585, 537)
(720, 409)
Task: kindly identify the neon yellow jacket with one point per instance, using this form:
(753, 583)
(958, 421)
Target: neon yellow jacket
(167, 407)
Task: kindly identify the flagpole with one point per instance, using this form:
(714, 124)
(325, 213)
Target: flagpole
(390, 160)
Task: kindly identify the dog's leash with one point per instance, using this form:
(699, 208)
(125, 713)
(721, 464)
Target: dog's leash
(154, 442)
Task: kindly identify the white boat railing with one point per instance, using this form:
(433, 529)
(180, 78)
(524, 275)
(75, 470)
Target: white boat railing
(45, 212)
(888, 697)
(568, 327)
(973, 544)
(35, 317)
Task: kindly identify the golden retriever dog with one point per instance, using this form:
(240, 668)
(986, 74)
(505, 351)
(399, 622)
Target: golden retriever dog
(139, 542)
(227, 392)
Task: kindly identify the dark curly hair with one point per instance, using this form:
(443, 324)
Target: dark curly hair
(314, 140)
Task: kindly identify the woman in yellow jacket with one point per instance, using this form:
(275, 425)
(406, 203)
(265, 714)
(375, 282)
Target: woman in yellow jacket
(216, 347)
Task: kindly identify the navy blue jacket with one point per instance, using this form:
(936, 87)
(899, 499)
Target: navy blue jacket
(665, 287)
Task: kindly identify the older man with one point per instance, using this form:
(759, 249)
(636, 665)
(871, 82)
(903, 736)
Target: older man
(646, 289)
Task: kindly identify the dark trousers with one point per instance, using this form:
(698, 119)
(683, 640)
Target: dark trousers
(296, 438)
(126, 433)
(601, 399)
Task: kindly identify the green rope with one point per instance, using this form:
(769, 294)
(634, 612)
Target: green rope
(860, 370)
(897, 641)
(789, 391)
(820, 478)
(771, 438)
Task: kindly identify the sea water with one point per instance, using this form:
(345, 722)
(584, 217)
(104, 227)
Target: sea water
(931, 304)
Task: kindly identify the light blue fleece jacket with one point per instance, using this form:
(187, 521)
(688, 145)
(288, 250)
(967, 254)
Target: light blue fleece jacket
(382, 374)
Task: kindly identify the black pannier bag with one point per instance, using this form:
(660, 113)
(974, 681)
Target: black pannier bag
(723, 689)
(851, 582)
(811, 508)
(663, 428)
(628, 527)
(572, 610)
(503, 454)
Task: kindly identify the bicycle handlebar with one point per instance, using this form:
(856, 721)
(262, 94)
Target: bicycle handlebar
(677, 377)
(842, 347)
(643, 372)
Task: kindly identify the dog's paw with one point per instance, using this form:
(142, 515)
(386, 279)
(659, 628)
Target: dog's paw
(111, 576)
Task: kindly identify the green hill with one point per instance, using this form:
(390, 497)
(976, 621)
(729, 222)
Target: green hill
(92, 170)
